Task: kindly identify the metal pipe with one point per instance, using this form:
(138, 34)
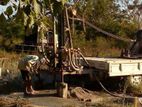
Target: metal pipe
(61, 42)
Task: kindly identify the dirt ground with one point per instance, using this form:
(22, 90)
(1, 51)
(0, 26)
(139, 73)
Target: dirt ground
(11, 95)
(48, 98)
(77, 97)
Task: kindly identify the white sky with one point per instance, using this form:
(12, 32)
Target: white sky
(10, 3)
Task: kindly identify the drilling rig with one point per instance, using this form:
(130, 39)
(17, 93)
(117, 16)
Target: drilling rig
(64, 59)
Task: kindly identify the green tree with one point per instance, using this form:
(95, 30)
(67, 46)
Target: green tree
(11, 31)
(105, 14)
(30, 13)
(134, 8)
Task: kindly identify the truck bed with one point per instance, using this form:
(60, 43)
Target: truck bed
(116, 66)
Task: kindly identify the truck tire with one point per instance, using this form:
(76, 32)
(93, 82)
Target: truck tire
(134, 85)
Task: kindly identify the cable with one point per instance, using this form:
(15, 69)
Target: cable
(102, 31)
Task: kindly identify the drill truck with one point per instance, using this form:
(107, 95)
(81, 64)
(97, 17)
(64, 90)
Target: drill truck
(64, 59)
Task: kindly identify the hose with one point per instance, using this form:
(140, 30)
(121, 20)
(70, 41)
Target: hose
(73, 59)
(102, 31)
(72, 64)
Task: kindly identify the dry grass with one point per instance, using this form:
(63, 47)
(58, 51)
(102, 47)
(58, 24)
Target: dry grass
(10, 72)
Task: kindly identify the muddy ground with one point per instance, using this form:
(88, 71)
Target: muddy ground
(49, 98)
(11, 95)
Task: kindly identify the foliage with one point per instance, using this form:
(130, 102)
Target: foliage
(4, 2)
(11, 33)
(30, 13)
(105, 14)
(39, 13)
(132, 11)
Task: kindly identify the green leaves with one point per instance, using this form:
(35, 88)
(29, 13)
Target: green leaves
(37, 8)
(30, 21)
(8, 11)
(63, 2)
(2, 19)
(57, 7)
(4, 2)
(34, 12)
(27, 9)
